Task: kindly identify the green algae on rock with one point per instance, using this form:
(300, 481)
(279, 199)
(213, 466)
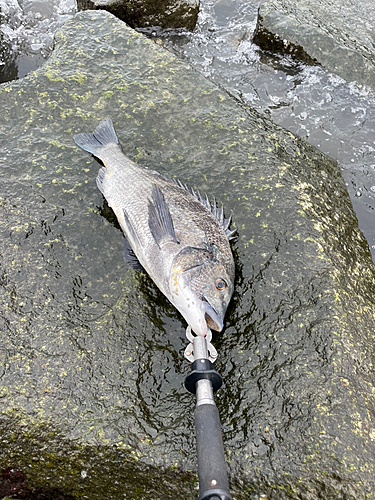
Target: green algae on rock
(91, 361)
(337, 35)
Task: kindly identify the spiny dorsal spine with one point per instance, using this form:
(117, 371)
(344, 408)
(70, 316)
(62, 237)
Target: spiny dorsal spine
(218, 212)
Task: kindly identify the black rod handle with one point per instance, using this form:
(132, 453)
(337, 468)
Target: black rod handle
(212, 467)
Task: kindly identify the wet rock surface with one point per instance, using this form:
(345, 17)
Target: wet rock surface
(91, 361)
(337, 35)
(146, 13)
(14, 484)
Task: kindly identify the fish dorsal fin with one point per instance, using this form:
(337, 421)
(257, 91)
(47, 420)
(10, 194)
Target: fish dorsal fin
(218, 212)
(159, 218)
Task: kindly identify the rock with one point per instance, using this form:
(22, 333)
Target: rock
(148, 13)
(337, 35)
(91, 358)
(13, 482)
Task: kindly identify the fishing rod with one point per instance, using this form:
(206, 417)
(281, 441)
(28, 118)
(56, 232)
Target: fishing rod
(203, 381)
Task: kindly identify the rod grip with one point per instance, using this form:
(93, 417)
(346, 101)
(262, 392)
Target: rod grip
(212, 467)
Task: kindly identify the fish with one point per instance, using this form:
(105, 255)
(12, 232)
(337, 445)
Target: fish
(171, 231)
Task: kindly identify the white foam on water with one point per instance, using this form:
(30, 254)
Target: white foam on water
(28, 28)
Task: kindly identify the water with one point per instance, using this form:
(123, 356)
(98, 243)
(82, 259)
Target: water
(27, 28)
(331, 114)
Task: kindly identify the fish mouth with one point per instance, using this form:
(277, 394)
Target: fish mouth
(213, 320)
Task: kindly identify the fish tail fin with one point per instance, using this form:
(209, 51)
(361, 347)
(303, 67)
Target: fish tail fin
(103, 135)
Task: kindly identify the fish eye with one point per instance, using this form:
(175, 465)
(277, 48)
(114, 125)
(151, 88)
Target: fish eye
(220, 284)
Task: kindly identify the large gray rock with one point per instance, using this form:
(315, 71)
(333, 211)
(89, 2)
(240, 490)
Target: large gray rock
(148, 13)
(92, 367)
(339, 35)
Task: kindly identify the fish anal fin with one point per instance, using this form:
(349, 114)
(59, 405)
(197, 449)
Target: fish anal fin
(100, 179)
(129, 229)
(159, 218)
(129, 256)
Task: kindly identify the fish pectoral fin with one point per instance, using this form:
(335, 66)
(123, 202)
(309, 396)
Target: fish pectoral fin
(159, 218)
(130, 258)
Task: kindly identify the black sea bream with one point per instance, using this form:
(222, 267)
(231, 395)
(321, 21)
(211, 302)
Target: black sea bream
(178, 237)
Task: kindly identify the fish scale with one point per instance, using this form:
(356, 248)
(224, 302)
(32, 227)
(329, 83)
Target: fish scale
(179, 238)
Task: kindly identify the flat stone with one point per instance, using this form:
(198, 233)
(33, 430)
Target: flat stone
(338, 35)
(91, 360)
(167, 14)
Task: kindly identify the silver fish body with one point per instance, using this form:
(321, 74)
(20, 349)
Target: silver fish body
(177, 236)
